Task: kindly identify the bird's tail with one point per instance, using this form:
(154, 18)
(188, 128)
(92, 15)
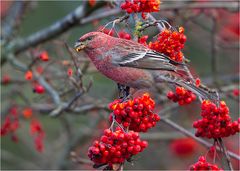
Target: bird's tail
(180, 81)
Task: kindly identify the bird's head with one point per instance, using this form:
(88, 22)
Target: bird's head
(90, 41)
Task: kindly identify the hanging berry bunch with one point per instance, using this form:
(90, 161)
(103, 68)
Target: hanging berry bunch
(215, 122)
(136, 114)
(124, 35)
(136, 6)
(116, 147)
(143, 40)
(107, 31)
(170, 43)
(38, 134)
(11, 124)
(202, 164)
(182, 96)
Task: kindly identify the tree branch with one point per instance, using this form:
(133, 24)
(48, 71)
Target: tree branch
(201, 5)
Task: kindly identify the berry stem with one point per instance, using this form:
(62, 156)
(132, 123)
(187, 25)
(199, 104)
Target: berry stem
(225, 154)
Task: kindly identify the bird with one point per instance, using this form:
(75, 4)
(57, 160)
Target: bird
(132, 64)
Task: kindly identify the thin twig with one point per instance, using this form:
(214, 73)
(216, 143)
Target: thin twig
(225, 154)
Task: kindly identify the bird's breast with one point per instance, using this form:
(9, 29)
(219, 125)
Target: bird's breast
(133, 77)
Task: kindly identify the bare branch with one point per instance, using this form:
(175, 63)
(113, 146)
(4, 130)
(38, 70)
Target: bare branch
(13, 18)
(201, 5)
(225, 154)
(52, 31)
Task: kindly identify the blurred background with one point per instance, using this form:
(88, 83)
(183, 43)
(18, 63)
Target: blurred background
(212, 30)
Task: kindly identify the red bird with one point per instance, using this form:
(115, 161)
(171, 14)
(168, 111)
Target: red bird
(132, 64)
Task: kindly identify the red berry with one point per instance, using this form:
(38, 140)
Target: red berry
(28, 75)
(38, 89)
(44, 56)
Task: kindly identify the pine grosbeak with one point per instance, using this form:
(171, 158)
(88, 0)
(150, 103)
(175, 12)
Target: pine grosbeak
(132, 64)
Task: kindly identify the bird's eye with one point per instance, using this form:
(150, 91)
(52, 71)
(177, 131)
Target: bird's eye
(89, 38)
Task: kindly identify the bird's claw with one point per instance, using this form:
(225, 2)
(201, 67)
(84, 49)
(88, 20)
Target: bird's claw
(124, 92)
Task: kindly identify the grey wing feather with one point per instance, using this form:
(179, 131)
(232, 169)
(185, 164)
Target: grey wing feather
(139, 56)
(130, 58)
(148, 60)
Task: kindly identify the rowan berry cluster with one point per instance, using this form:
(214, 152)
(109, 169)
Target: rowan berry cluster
(215, 122)
(38, 134)
(136, 114)
(143, 40)
(124, 35)
(182, 96)
(136, 6)
(170, 43)
(11, 124)
(202, 164)
(121, 34)
(116, 147)
(107, 31)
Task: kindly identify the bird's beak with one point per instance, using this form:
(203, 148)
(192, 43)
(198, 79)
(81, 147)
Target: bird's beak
(79, 46)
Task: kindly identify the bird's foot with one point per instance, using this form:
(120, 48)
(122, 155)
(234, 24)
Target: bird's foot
(124, 92)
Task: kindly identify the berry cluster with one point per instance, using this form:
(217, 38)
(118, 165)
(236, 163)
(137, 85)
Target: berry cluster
(37, 132)
(182, 96)
(107, 31)
(136, 114)
(11, 124)
(215, 122)
(170, 43)
(124, 35)
(143, 40)
(202, 164)
(136, 6)
(116, 147)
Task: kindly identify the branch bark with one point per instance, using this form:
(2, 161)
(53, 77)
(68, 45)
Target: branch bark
(201, 5)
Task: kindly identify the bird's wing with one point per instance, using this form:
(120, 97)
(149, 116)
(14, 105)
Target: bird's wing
(132, 54)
